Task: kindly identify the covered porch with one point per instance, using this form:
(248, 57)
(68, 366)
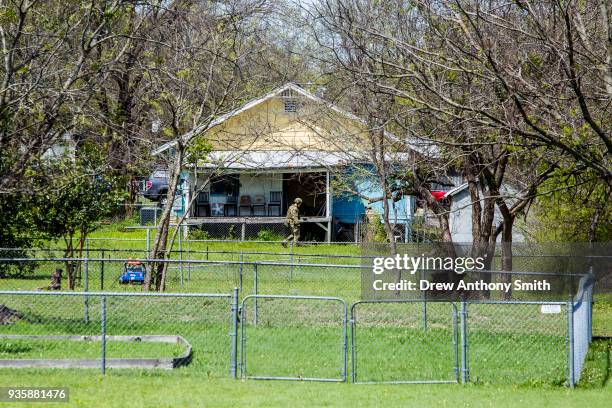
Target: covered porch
(253, 194)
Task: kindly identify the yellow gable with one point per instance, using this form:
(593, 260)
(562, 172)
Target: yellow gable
(268, 126)
(291, 119)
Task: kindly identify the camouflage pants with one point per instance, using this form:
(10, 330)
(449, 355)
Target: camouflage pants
(295, 232)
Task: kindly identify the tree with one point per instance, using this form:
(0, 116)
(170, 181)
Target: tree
(508, 89)
(401, 165)
(206, 52)
(74, 205)
(16, 233)
(575, 211)
(46, 77)
(122, 114)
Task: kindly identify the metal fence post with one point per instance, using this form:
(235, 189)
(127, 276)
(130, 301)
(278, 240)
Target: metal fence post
(188, 257)
(353, 345)
(465, 373)
(424, 315)
(571, 379)
(424, 311)
(292, 261)
(102, 271)
(241, 267)
(86, 280)
(255, 292)
(103, 334)
(148, 241)
(243, 317)
(344, 341)
(455, 341)
(234, 336)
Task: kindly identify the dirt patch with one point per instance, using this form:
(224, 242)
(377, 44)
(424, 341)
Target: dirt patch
(8, 315)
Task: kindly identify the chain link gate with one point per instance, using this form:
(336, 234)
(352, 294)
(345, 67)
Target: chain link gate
(517, 342)
(293, 338)
(404, 341)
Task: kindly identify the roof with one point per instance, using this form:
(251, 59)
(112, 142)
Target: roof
(277, 160)
(418, 145)
(456, 190)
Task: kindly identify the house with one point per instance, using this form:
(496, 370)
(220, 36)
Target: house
(64, 147)
(288, 143)
(291, 143)
(460, 217)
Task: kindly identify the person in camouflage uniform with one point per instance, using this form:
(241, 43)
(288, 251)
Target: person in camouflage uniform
(293, 221)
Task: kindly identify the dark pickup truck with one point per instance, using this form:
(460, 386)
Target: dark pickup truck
(156, 186)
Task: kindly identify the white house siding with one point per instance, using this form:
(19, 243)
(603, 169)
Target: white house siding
(460, 219)
(262, 184)
(249, 184)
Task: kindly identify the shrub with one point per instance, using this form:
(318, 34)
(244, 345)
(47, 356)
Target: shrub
(198, 233)
(268, 235)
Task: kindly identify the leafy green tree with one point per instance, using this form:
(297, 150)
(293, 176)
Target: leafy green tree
(581, 212)
(16, 235)
(74, 205)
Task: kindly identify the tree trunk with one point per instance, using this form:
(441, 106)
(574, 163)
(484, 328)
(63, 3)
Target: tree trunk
(70, 269)
(483, 215)
(156, 273)
(507, 255)
(594, 223)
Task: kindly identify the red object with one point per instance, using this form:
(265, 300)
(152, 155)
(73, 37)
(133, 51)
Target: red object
(149, 184)
(439, 195)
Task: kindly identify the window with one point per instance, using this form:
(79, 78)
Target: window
(227, 185)
(290, 105)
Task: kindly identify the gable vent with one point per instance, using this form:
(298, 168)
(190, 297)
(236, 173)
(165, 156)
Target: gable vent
(290, 105)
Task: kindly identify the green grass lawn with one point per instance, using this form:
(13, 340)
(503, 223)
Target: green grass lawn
(121, 388)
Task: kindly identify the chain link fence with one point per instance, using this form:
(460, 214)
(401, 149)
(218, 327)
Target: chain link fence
(192, 275)
(580, 327)
(287, 311)
(517, 342)
(118, 330)
(298, 337)
(525, 258)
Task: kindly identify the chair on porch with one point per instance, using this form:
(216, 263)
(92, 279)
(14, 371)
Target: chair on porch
(202, 204)
(276, 201)
(259, 203)
(230, 204)
(245, 202)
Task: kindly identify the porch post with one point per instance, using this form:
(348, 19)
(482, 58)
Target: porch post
(328, 207)
(187, 197)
